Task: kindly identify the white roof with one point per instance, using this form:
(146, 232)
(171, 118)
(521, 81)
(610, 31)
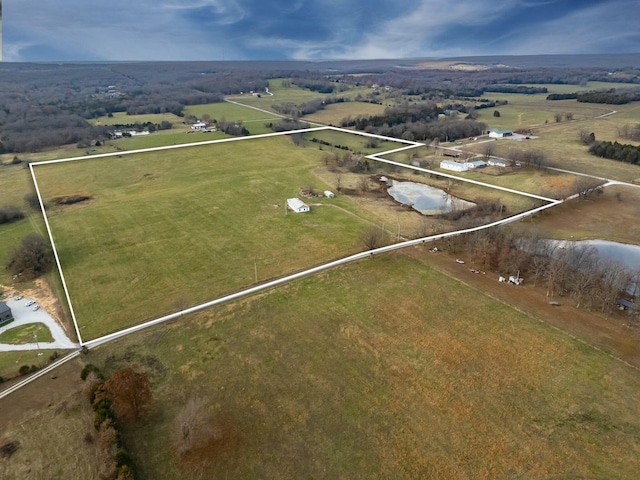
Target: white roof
(296, 203)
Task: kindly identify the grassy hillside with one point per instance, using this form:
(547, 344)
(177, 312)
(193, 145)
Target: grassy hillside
(383, 369)
(166, 230)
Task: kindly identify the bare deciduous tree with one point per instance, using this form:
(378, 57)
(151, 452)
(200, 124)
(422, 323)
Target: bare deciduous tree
(585, 187)
(374, 237)
(488, 149)
(363, 184)
(195, 427)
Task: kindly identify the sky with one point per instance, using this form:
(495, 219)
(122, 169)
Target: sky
(154, 30)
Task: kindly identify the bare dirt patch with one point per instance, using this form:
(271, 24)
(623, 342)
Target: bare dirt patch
(71, 199)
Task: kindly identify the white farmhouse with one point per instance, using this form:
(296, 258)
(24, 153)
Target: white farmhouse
(199, 126)
(454, 166)
(297, 205)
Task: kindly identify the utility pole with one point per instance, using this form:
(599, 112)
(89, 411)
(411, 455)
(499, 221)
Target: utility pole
(35, 337)
(255, 268)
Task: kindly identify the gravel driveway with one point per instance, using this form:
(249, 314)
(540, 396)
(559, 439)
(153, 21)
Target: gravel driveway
(24, 315)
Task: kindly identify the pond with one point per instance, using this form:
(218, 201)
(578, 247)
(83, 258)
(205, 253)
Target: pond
(622, 253)
(425, 199)
(627, 255)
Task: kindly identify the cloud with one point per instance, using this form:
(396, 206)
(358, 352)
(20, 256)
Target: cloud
(314, 29)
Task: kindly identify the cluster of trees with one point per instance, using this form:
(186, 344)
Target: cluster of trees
(116, 401)
(287, 124)
(530, 158)
(10, 213)
(616, 151)
(292, 110)
(140, 126)
(565, 269)
(613, 97)
(233, 128)
(32, 258)
(562, 96)
(416, 122)
(350, 161)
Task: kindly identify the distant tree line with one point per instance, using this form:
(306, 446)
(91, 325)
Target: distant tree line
(515, 89)
(613, 97)
(297, 110)
(616, 151)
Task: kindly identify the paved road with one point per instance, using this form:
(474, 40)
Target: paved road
(24, 316)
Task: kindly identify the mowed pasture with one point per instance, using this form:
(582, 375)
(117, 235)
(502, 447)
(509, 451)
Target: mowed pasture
(170, 229)
(383, 369)
(335, 113)
(560, 140)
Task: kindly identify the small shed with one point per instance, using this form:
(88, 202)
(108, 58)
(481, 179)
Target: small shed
(329, 194)
(297, 205)
(5, 314)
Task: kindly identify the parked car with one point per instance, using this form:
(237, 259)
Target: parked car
(29, 303)
(19, 297)
(36, 308)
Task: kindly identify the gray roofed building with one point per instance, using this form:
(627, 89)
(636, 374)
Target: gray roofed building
(5, 314)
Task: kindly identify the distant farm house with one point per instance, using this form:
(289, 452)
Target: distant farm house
(495, 133)
(297, 205)
(5, 314)
(329, 194)
(454, 166)
(199, 126)
(499, 162)
(477, 164)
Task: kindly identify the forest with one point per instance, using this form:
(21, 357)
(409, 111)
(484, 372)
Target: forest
(48, 105)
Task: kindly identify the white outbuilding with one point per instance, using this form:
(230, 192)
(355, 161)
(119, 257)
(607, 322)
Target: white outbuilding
(454, 166)
(297, 205)
(329, 194)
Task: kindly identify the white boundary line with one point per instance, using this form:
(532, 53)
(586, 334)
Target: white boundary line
(55, 253)
(375, 157)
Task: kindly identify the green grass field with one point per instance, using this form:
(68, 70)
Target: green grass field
(10, 362)
(384, 369)
(166, 230)
(25, 334)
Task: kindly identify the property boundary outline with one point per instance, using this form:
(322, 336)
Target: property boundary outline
(376, 157)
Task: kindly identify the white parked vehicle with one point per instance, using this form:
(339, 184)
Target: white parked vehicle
(36, 308)
(29, 303)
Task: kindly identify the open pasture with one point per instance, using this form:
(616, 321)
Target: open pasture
(121, 118)
(335, 113)
(166, 230)
(407, 374)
